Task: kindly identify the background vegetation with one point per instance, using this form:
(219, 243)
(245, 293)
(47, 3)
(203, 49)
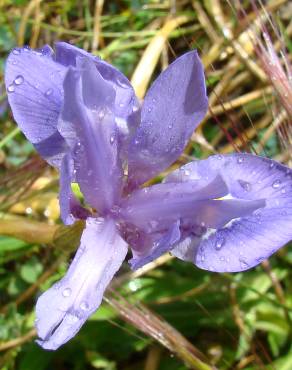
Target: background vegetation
(169, 315)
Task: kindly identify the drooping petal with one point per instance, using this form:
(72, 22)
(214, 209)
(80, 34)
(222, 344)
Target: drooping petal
(160, 246)
(34, 87)
(96, 149)
(173, 107)
(247, 241)
(64, 308)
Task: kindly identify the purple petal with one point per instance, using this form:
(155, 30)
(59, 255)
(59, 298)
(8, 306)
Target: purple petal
(67, 54)
(92, 135)
(64, 308)
(247, 241)
(126, 105)
(160, 246)
(173, 107)
(160, 205)
(34, 86)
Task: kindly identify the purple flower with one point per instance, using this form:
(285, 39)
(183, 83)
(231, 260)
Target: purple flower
(224, 213)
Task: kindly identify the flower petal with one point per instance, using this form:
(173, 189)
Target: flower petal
(126, 105)
(246, 242)
(162, 204)
(160, 246)
(67, 54)
(173, 107)
(96, 150)
(34, 86)
(63, 309)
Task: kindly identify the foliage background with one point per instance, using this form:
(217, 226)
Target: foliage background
(170, 313)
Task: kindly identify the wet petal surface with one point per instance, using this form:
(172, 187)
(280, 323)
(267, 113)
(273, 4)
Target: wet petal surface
(63, 309)
(92, 136)
(173, 107)
(34, 83)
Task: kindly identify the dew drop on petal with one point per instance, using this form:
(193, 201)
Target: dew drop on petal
(276, 184)
(187, 172)
(112, 139)
(48, 92)
(16, 52)
(18, 80)
(243, 264)
(239, 160)
(219, 243)
(11, 88)
(84, 306)
(245, 185)
(66, 292)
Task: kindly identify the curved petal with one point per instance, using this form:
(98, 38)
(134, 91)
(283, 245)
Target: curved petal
(126, 105)
(64, 308)
(161, 245)
(173, 107)
(92, 136)
(34, 86)
(247, 241)
(160, 205)
(67, 54)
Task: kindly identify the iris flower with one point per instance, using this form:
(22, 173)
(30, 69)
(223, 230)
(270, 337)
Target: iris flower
(224, 213)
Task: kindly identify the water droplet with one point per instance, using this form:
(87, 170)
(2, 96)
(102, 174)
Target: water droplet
(245, 185)
(16, 51)
(243, 263)
(26, 48)
(219, 157)
(240, 160)
(271, 165)
(153, 224)
(121, 82)
(11, 88)
(101, 114)
(222, 258)
(170, 126)
(18, 80)
(121, 105)
(276, 184)
(72, 318)
(283, 191)
(48, 92)
(84, 306)
(136, 141)
(187, 172)
(135, 108)
(149, 109)
(112, 139)
(66, 292)
(219, 243)
(202, 258)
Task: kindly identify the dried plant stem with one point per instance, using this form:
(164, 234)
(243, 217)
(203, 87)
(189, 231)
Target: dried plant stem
(18, 341)
(144, 70)
(154, 326)
(97, 26)
(238, 102)
(24, 20)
